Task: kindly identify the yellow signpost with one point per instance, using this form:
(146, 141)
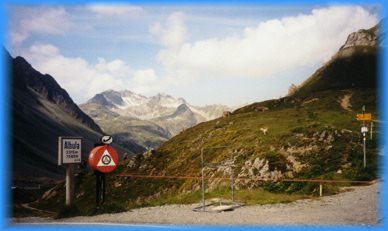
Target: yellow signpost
(366, 116)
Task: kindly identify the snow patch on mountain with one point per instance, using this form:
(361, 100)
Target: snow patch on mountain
(174, 114)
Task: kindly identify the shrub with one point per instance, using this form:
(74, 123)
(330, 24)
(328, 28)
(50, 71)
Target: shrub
(276, 161)
(297, 130)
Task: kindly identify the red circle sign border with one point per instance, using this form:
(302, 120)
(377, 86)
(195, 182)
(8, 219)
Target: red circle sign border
(95, 157)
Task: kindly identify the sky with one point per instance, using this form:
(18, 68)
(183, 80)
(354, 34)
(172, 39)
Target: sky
(206, 54)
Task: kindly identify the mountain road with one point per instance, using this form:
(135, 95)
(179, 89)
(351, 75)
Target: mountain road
(356, 206)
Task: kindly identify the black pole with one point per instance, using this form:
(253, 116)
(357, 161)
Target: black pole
(98, 186)
(103, 187)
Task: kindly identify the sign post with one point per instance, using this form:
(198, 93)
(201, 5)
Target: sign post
(69, 154)
(70, 189)
(364, 117)
(103, 159)
(364, 131)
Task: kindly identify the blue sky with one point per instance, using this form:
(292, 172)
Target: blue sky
(206, 54)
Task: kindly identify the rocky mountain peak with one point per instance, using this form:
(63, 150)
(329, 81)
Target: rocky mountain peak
(48, 88)
(166, 99)
(170, 114)
(352, 67)
(113, 97)
(369, 37)
(182, 108)
(110, 91)
(127, 93)
(101, 100)
(163, 95)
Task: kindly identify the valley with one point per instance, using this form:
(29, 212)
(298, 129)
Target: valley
(141, 123)
(269, 152)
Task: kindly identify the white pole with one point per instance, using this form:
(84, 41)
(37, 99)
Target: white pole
(203, 182)
(364, 138)
(70, 195)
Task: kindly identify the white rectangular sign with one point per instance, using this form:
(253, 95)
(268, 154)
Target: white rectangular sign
(69, 150)
(364, 129)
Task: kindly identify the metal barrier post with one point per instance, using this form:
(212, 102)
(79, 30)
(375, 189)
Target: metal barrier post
(232, 182)
(203, 183)
(364, 140)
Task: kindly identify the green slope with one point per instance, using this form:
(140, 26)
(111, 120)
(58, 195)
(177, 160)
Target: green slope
(312, 134)
(295, 127)
(353, 67)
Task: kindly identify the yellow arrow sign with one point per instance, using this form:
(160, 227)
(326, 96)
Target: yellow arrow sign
(366, 116)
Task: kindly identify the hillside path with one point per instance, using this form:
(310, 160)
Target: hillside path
(27, 206)
(345, 102)
(358, 206)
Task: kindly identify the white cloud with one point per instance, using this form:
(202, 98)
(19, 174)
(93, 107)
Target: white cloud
(47, 21)
(40, 20)
(18, 37)
(46, 50)
(115, 10)
(146, 82)
(173, 33)
(83, 80)
(271, 48)
(117, 67)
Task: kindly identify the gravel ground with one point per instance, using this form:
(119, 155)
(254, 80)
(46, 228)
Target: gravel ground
(356, 207)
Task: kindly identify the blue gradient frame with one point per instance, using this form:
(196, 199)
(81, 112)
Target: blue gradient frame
(5, 121)
(5, 134)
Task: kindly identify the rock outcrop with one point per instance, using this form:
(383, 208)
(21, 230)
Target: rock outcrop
(370, 37)
(41, 112)
(354, 66)
(48, 88)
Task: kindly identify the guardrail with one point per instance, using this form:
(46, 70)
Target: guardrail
(321, 182)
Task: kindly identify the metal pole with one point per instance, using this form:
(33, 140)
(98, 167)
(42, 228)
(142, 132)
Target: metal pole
(103, 187)
(98, 187)
(203, 183)
(70, 195)
(232, 175)
(364, 138)
(232, 183)
(371, 130)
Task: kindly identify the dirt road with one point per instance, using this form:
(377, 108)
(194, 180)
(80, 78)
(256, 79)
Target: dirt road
(359, 206)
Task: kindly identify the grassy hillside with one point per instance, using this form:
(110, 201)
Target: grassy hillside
(353, 67)
(292, 123)
(308, 137)
(312, 134)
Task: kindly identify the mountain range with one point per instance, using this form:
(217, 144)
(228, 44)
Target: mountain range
(311, 134)
(41, 112)
(147, 121)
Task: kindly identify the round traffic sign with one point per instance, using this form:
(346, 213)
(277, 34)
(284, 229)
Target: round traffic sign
(103, 159)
